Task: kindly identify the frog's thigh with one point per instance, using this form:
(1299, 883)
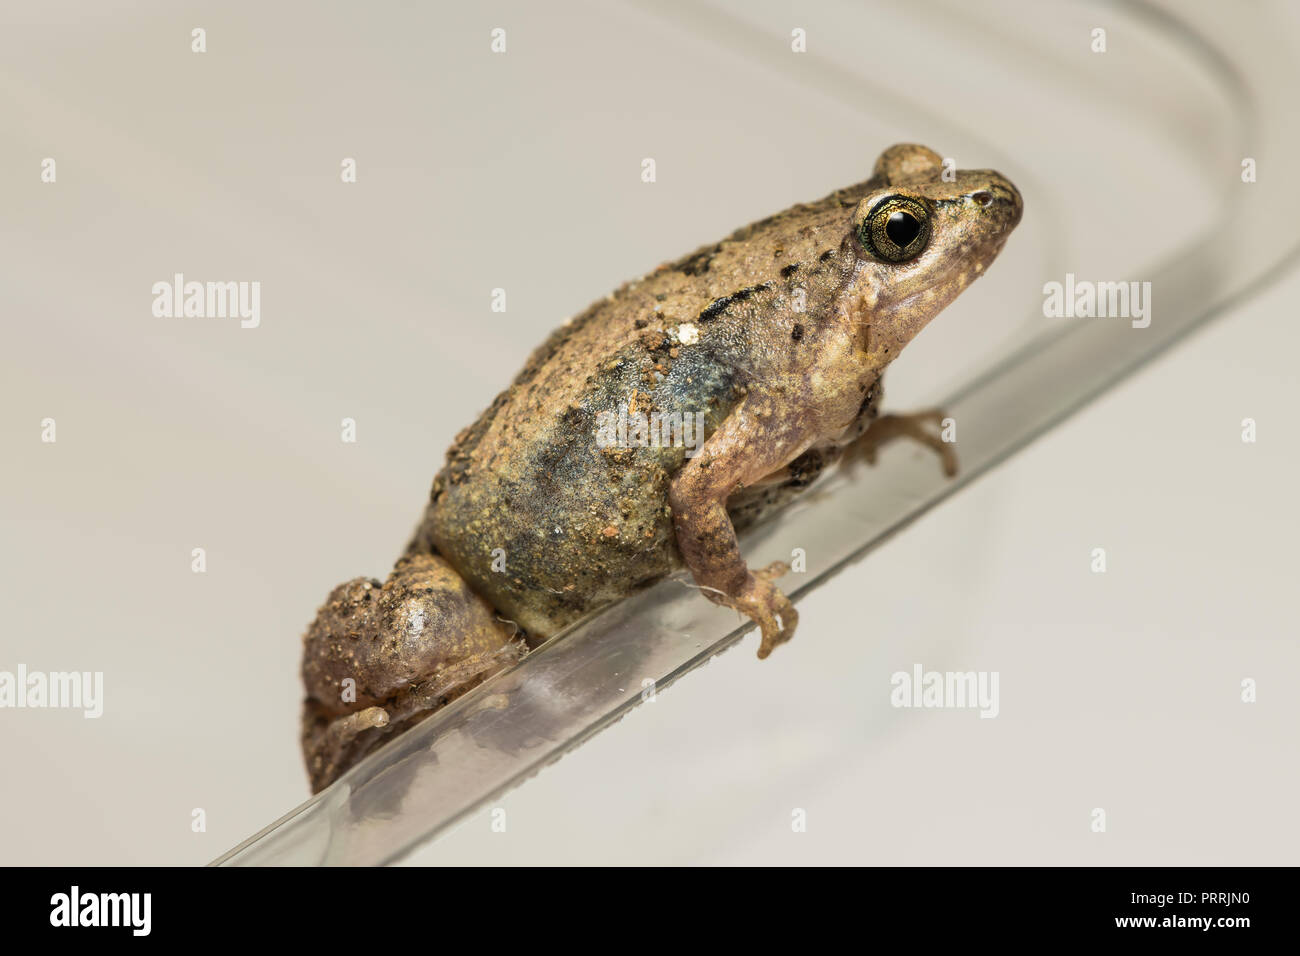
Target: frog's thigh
(400, 649)
(754, 441)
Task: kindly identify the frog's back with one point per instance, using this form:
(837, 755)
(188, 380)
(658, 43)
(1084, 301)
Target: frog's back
(539, 511)
(549, 522)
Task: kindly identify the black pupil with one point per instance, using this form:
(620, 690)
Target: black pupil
(902, 228)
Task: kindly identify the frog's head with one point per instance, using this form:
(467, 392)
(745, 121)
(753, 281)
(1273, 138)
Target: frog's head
(917, 241)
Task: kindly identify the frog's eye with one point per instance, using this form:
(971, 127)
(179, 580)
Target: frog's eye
(896, 229)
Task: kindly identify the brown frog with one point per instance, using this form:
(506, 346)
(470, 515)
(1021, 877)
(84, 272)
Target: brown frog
(644, 432)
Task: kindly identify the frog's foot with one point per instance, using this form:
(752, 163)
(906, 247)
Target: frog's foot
(763, 602)
(888, 427)
(455, 679)
(332, 743)
(340, 734)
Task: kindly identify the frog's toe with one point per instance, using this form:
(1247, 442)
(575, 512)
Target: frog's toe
(769, 608)
(779, 626)
(886, 428)
(330, 743)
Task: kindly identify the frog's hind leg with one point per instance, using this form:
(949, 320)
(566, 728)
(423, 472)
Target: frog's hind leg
(379, 658)
(886, 428)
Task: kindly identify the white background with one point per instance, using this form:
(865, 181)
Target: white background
(1118, 691)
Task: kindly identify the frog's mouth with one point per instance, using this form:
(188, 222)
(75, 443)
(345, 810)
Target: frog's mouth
(978, 222)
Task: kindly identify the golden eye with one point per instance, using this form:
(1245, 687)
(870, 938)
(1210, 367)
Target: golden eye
(897, 229)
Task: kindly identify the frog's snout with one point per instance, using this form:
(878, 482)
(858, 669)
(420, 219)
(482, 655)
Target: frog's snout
(1003, 198)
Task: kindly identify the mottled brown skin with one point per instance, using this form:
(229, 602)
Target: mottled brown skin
(779, 334)
(408, 646)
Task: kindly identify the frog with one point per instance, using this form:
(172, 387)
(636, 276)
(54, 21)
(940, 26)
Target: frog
(771, 343)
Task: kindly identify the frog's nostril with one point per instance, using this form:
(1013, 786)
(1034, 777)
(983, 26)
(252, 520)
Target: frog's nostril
(983, 197)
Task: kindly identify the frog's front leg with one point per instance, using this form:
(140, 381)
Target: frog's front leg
(757, 439)
(888, 427)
